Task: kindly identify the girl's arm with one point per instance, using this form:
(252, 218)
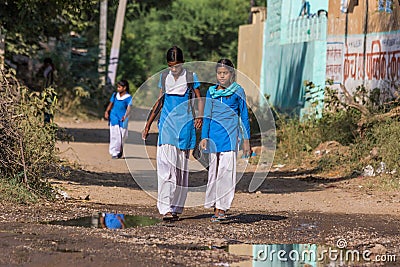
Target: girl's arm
(102, 222)
(122, 221)
(154, 111)
(108, 109)
(200, 105)
(244, 117)
(127, 112)
(199, 118)
(206, 122)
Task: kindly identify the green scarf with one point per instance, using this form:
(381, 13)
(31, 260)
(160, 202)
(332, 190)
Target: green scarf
(224, 92)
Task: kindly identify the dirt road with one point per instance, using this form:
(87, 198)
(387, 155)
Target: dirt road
(288, 208)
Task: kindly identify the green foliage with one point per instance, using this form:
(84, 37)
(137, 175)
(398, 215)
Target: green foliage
(384, 138)
(340, 126)
(26, 23)
(295, 138)
(206, 30)
(27, 144)
(375, 143)
(12, 191)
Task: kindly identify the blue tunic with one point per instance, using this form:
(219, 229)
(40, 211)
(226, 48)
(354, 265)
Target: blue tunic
(118, 110)
(111, 220)
(176, 126)
(225, 118)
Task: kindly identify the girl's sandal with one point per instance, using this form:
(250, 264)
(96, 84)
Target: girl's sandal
(222, 216)
(175, 216)
(168, 216)
(214, 219)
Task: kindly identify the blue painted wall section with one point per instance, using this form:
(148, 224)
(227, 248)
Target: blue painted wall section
(294, 50)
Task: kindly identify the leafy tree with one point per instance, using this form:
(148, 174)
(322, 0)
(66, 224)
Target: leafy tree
(206, 30)
(26, 23)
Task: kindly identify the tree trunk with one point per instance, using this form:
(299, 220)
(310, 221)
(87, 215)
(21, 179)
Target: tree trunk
(2, 49)
(114, 54)
(102, 42)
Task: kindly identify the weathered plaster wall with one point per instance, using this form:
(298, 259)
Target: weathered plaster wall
(250, 48)
(360, 53)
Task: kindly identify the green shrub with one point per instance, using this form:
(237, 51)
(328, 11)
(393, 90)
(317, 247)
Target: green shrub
(340, 126)
(27, 144)
(367, 140)
(295, 138)
(383, 138)
(12, 191)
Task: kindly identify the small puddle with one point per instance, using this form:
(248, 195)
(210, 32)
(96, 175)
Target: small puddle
(109, 220)
(304, 255)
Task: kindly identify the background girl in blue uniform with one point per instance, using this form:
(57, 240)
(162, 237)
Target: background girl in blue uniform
(117, 113)
(225, 122)
(177, 134)
(112, 220)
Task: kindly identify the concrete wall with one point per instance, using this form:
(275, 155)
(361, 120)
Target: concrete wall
(294, 51)
(360, 53)
(353, 22)
(295, 6)
(250, 54)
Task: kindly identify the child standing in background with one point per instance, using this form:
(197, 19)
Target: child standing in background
(117, 113)
(225, 118)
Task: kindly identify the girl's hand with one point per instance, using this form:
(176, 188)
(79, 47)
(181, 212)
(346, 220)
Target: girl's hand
(106, 115)
(198, 122)
(145, 133)
(203, 144)
(246, 147)
(123, 118)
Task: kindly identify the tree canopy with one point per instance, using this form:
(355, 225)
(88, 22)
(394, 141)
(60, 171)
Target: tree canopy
(26, 23)
(206, 30)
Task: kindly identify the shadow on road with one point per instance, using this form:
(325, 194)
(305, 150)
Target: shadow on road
(240, 218)
(275, 183)
(290, 182)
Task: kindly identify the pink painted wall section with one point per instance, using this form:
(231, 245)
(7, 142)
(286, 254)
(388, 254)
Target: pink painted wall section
(378, 65)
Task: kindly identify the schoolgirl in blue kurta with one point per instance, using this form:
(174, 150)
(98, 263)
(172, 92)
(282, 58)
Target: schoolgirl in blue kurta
(223, 116)
(176, 135)
(117, 113)
(176, 125)
(225, 121)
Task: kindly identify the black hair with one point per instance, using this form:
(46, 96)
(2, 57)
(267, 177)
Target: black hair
(175, 54)
(226, 63)
(125, 84)
(48, 60)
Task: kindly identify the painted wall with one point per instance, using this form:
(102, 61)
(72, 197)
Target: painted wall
(285, 75)
(294, 51)
(315, 5)
(364, 45)
(377, 66)
(250, 46)
(353, 22)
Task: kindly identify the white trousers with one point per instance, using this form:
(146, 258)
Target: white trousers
(173, 174)
(118, 136)
(221, 180)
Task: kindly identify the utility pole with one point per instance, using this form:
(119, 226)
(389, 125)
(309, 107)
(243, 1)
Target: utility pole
(103, 42)
(114, 54)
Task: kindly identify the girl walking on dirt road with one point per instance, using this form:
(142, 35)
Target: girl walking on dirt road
(177, 133)
(117, 113)
(225, 121)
